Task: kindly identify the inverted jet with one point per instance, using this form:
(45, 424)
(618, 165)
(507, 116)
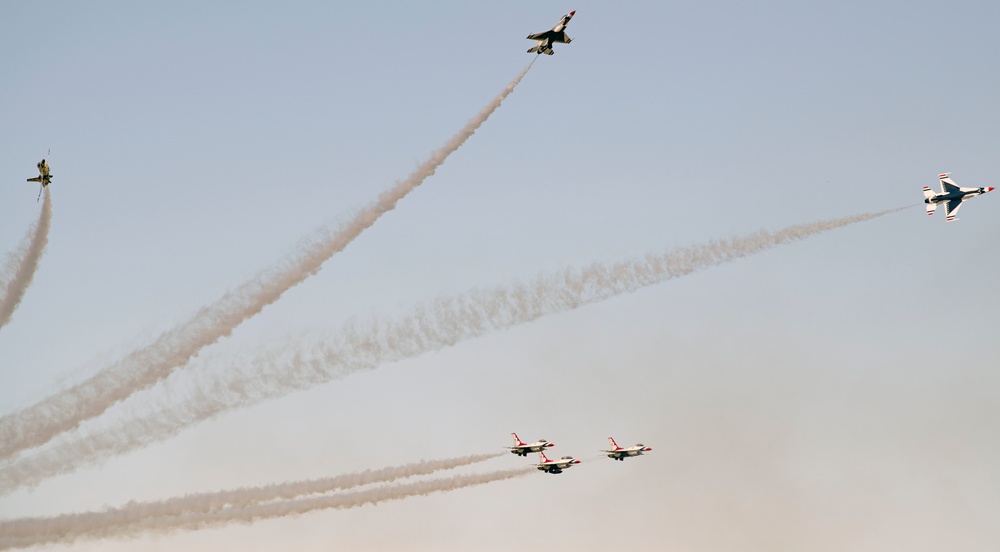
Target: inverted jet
(951, 196)
(547, 38)
(619, 453)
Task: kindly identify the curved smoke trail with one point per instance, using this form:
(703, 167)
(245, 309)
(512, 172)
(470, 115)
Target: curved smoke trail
(145, 367)
(207, 510)
(22, 264)
(367, 344)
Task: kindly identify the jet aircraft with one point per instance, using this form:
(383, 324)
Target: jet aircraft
(521, 448)
(547, 38)
(619, 453)
(44, 177)
(951, 195)
(555, 466)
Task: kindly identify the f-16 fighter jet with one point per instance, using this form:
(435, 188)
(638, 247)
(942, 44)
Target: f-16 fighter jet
(44, 177)
(951, 195)
(547, 38)
(619, 453)
(43, 174)
(521, 448)
(555, 466)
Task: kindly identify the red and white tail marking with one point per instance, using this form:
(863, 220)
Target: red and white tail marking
(517, 442)
(614, 445)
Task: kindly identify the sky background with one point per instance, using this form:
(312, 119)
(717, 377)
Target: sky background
(833, 394)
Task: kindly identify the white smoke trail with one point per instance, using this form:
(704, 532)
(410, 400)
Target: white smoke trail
(22, 264)
(145, 367)
(242, 497)
(205, 511)
(366, 345)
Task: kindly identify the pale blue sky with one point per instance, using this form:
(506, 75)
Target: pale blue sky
(834, 394)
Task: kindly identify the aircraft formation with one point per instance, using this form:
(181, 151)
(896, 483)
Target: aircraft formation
(951, 195)
(547, 465)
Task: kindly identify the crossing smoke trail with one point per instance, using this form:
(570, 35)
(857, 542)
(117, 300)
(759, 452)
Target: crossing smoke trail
(21, 265)
(205, 511)
(366, 345)
(143, 368)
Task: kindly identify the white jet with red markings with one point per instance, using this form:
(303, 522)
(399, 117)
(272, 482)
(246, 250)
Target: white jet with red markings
(951, 196)
(619, 453)
(555, 466)
(521, 448)
(547, 38)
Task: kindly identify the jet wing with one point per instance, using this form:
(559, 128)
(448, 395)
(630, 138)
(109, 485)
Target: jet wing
(556, 34)
(952, 207)
(36, 179)
(552, 36)
(948, 185)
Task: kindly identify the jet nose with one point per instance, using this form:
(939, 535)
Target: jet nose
(990, 189)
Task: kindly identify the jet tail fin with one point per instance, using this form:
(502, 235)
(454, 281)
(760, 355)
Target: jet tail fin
(928, 195)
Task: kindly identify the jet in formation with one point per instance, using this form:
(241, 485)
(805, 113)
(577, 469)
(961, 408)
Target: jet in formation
(555, 466)
(44, 176)
(547, 38)
(521, 448)
(951, 196)
(616, 452)
(619, 453)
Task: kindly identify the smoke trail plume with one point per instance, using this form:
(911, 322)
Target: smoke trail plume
(22, 264)
(143, 368)
(217, 509)
(365, 345)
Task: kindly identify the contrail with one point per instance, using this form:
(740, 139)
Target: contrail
(143, 368)
(365, 345)
(22, 264)
(216, 509)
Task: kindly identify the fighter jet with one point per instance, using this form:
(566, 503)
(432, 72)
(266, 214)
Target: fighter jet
(44, 177)
(951, 195)
(555, 466)
(547, 38)
(619, 453)
(521, 448)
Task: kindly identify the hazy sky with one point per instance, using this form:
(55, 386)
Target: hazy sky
(837, 393)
